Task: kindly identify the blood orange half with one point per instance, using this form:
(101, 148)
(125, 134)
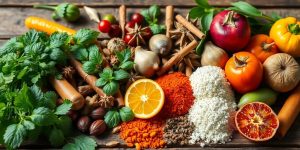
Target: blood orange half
(256, 121)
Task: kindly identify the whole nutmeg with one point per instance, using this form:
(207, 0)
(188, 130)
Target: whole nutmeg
(97, 127)
(83, 123)
(98, 113)
(116, 45)
(72, 114)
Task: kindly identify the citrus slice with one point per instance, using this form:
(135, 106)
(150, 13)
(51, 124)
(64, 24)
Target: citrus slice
(256, 121)
(145, 97)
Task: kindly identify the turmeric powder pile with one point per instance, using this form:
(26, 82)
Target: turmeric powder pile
(143, 133)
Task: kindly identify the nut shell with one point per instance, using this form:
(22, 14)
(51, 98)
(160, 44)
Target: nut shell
(98, 113)
(83, 123)
(97, 127)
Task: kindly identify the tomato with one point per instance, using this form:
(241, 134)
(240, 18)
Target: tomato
(128, 40)
(244, 72)
(115, 31)
(148, 33)
(137, 18)
(109, 17)
(104, 26)
(262, 46)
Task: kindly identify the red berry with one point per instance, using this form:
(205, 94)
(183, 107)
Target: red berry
(115, 31)
(137, 18)
(128, 40)
(148, 32)
(130, 24)
(104, 26)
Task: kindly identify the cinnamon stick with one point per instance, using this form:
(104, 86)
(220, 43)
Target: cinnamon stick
(177, 57)
(190, 26)
(122, 19)
(169, 19)
(188, 71)
(67, 91)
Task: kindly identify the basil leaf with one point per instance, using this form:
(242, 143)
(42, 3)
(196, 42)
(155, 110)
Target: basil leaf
(146, 15)
(200, 47)
(56, 137)
(247, 9)
(154, 11)
(101, 82)
(107, 74)
(196, 12)
(203, 3)
(206, 20)
(127, 54)
(94, 55)
(120, 56)
(127, 65)
(156, 29)
(112, 118)
(126, 114)
(121, 74)
(89, 67)
(111, 88)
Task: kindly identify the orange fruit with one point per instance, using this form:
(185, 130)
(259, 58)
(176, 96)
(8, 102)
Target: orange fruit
(145, 98)
(256, 121)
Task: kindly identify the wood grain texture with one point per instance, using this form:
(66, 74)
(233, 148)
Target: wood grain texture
(142, 3)
(13, 23)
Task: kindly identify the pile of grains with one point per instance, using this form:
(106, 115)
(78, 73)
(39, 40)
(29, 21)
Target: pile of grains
(178, 130)
(178, 94)
(213, 108)
(143, 133)
(210, 81)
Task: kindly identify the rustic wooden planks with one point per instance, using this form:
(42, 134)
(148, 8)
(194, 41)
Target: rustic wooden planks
(142, 3)
(14, 17)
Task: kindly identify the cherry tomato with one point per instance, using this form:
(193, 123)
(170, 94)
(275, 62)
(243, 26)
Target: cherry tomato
(148, 32)
(109, 17)
(104, 26)
(130, 24)
(137, 18)
(127, 40)
(115, 31)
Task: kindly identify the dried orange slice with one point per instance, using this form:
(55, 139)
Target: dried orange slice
(257, 121)
(145, 97)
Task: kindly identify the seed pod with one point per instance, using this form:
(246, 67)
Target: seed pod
(97, 127)
(83, 123)
(98, 113)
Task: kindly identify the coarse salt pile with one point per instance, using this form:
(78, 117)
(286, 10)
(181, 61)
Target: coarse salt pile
(213, 107)
(210, 81)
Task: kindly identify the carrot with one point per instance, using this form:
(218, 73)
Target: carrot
(67, 91)
(289, 112)
(47, 26)
(50, 27)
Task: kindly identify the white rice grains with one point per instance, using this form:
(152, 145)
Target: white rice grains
(213, 107)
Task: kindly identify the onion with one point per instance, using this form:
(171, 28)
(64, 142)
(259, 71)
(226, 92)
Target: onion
(146, 62)
(213, 56)
(160, 44)
(282, 72)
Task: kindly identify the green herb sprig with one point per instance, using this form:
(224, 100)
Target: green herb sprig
(113, 117)
(151, 16)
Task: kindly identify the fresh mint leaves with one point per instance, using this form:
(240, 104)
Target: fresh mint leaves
(85, 37)
(151, 16)
(113, 117)
(81, 142)
(124, 58)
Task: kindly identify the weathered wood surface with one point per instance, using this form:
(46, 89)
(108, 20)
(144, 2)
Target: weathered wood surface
(141, 3)
(12, 18)
(13, 13)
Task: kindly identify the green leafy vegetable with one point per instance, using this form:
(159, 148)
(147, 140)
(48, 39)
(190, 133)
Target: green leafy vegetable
(151, 16)
(109, 80)
(56, 137)
(85, 37)
(112, 118)
(126, 114)
(63, 108)
(14, 135)
(43, 116)
(81, 142)
(124, 58)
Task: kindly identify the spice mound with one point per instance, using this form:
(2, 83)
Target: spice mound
(210, 81)
(178, 130)
(211, 117)
(143, 133)
(178, 94)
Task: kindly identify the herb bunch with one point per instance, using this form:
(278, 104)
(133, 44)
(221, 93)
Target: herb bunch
(114, 116)
(151, 16)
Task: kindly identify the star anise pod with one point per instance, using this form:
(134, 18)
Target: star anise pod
(181, 34)
(106, 101)
(190, 61)
(133, 77)
(138, 34)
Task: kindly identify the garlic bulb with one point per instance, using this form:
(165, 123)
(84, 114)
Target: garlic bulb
(160, 44)
(213, 56)
(146, 62)
(282, 72)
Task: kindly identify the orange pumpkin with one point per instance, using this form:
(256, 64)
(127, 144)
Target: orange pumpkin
(244, 72)
(262, 46)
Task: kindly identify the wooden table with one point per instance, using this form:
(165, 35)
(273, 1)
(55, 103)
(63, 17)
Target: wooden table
(13, 13)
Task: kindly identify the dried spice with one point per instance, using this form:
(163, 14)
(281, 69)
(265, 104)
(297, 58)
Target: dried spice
(188, 63)
(178, 130)
(178, 94)
(106, 101)
(143, 133)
